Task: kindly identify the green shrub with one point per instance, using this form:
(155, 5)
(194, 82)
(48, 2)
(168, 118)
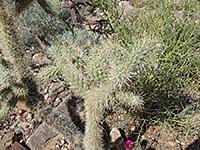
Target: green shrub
(36, 20)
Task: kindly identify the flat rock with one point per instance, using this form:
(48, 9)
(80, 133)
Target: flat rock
(6, 140)
(18, 146)
(43, 138)
(21, 104)
(117, 142)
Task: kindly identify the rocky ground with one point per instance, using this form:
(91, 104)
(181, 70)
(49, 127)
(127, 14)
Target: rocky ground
(23, 130)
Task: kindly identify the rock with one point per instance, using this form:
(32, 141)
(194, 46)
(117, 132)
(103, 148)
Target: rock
(21, 104)
(45, 91)
(43, 138)
(29, 116)
(63, 106)
(41, 59)
(18, 146)
(63, 119)
(46, 96)
(62, 142)
(23, 125)
(57, 102)
(117, 142)
(82, 116)
(6, 140)
(172, 144)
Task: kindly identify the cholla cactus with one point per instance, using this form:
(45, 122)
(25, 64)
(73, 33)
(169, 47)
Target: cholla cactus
(12, 48)
(104, 74)
(9, 89)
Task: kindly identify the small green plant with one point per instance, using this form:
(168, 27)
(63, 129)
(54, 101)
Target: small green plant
(45, 26)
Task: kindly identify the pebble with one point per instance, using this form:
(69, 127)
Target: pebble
(132, 128)
(57, 102)
(46, 96)
(62, 142)
(173, 144)
(29, 116)
(45, 91)
(57, 146)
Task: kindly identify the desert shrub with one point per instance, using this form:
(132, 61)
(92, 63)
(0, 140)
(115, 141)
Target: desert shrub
(176, 25)
(44, 25)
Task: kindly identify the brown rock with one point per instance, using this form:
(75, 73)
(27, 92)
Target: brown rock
(41, 59)
(21, 104)
(117, 142)
(18, 146)
(63, 106)
(43, 138)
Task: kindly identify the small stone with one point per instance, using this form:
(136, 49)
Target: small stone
(46, 96)
(62, 142)
(45, 91)
(6, 140)
(57, 102)
(132, 128)
(41, 59)
(38, 55)
(57, 146)
(21, 104)
(82, 116)
(173, 144)
(29, 116)
(115, 135)
(45, 136)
